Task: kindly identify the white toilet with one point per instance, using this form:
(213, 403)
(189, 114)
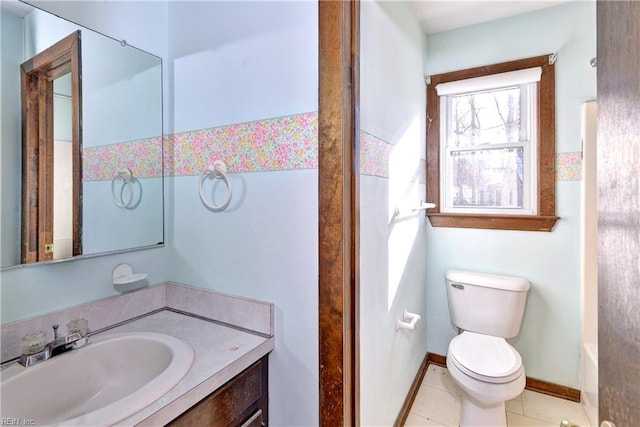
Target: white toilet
(487, 309)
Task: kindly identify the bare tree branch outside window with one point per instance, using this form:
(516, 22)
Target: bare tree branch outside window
(486, 175)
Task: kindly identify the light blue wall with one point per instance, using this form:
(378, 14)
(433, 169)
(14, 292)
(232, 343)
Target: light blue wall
(119, 84)
(125, 90)
(107, 227)
(234, 62)
(39, 289)
(245, 61)
(11, 138)
(141, 24)
(549, 341)
(392, 251)
(29, 291)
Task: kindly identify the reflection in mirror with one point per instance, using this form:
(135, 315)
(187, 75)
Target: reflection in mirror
(64, 206)
(50, 128)
(119, 126)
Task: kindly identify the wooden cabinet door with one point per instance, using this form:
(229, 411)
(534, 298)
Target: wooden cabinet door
(241, 402)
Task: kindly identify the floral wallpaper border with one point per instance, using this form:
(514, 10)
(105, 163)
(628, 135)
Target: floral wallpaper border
(375, 156)
(569, 166)
(282, 143)
(143, 157)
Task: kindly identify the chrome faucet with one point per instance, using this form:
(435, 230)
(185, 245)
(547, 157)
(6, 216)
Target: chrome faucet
(63, 344)
(58, 346)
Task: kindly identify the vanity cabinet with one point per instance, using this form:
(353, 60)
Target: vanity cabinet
(242, 401)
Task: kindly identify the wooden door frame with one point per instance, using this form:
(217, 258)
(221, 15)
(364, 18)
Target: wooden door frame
(338, 224)
(36, 79)
(618, 159)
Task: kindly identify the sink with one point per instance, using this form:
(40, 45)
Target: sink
(105, 382)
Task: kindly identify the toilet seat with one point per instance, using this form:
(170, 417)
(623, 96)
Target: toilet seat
(485, 358)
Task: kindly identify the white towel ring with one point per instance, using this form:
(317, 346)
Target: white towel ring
(126, 176)
(218, 170)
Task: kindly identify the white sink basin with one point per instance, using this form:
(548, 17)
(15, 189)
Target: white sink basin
(107, 381)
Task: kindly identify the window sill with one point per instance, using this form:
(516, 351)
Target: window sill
(494, 222)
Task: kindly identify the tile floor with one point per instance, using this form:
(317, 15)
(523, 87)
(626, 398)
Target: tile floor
(439, 401)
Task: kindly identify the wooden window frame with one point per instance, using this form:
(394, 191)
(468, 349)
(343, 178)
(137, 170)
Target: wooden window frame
(546, 218)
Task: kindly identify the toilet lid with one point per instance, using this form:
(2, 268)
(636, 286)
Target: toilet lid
(486, 358)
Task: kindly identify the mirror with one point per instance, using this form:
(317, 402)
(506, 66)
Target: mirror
(103, 187)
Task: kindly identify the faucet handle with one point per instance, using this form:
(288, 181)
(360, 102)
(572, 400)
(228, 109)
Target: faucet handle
(55, 331)
(33, 342)
(80, 326)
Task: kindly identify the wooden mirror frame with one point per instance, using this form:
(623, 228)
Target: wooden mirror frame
(36, 81)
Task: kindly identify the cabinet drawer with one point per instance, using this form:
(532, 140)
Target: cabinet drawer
(236, 403)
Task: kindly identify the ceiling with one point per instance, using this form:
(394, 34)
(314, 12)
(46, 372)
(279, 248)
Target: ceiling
(437, 16)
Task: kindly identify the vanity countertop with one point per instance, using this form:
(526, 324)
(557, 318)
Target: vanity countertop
(221, 353)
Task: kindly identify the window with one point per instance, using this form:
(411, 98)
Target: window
(487, 143)
(491, 146)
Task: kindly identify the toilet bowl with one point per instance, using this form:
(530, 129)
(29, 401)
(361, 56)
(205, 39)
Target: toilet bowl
(487, 309)
(489, 371)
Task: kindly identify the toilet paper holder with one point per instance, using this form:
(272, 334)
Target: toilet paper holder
(409, 321)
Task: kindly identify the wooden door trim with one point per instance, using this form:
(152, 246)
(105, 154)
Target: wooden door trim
(37, 75)
(45, 166)
(338, 183)
(618, 159)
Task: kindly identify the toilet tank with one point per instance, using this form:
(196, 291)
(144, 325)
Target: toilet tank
(486, 303)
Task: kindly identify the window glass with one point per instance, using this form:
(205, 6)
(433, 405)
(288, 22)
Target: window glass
(491, 178)
(487, 151)
(488, 117)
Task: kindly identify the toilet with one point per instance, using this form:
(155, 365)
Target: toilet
(486, 308)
